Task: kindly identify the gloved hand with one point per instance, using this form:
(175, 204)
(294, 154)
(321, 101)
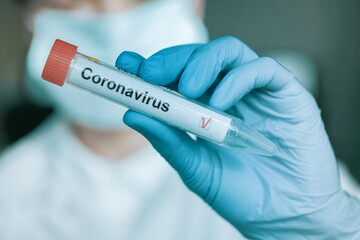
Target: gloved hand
(293, 195)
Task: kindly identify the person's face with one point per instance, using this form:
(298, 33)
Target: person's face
(155, 25)
(30, 9)
(99, 6)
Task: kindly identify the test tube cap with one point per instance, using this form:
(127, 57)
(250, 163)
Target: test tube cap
(58, 63)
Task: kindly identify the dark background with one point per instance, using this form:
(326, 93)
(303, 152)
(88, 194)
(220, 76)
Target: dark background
(326, 30)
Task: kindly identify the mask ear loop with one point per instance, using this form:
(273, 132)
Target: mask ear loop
(28, 23)
(199, 7)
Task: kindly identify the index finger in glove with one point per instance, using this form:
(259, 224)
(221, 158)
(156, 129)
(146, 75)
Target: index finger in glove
(196, 65)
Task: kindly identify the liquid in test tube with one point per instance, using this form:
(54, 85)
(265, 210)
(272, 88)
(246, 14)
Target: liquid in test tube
(66, 65)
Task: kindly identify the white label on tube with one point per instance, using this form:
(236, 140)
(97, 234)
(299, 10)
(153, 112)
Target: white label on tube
(154, 101)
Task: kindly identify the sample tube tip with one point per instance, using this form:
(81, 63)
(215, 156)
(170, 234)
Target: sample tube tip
(244, 137)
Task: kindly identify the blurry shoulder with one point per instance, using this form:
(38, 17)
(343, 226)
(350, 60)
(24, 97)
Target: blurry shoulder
(348, 182)
(24, 161)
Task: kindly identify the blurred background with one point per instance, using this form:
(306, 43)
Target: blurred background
(318, 40)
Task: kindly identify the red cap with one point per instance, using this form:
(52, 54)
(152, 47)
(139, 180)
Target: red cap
(58, 62)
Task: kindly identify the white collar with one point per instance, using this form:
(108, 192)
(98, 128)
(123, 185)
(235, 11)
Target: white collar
(143, 172)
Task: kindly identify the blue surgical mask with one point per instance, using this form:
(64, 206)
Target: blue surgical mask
(145, 29)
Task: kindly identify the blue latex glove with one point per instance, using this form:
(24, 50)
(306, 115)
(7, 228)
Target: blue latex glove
(293, 195)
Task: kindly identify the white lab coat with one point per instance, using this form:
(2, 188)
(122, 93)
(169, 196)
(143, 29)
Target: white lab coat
(52, 187)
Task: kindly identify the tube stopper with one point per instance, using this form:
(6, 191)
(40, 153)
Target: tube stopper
(58, 62)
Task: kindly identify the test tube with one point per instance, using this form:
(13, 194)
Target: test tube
(66, 65)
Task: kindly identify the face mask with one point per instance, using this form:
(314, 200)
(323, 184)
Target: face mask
(146, 29)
